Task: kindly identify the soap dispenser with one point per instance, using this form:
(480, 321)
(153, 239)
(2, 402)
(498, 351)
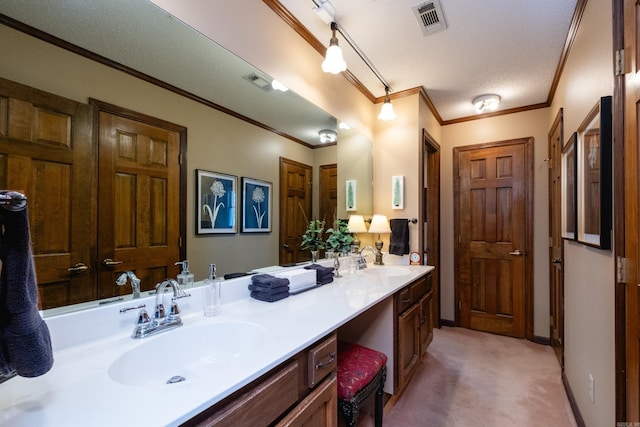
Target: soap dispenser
(185, 278)
(211, 291)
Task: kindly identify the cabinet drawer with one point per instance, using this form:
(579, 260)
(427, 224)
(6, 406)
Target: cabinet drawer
(322, 360)
(418, 289)
(262, 404)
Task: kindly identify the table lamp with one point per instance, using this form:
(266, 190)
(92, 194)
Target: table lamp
(380, 225)
(356, 225)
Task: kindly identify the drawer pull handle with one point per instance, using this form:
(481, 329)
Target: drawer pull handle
(406, 300)
(332, 358)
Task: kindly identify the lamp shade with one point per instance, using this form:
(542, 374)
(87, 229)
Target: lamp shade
(356, 224)
(379, 224)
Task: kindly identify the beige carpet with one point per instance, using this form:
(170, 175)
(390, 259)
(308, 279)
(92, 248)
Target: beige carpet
(472, 378)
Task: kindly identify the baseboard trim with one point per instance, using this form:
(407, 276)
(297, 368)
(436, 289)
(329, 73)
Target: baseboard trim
(572, 401)
(541, 340)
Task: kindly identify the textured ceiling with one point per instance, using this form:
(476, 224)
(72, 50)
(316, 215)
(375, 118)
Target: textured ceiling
(508, 47)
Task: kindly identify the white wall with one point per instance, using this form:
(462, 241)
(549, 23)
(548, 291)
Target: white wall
(589, 273)
(526, 124)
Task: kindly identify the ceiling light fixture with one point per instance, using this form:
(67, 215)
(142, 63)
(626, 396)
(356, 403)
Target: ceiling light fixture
(486, 103)
(328, 135)
(334, 57)
(334, 62)
(387, 113)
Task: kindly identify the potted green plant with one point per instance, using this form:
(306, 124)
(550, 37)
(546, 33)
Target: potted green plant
(312, 238)
(340, 239)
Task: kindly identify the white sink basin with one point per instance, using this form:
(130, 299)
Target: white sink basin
(187, 353)
(388, 271)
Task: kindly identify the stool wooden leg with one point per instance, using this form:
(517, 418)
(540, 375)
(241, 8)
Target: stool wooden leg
(379, 408)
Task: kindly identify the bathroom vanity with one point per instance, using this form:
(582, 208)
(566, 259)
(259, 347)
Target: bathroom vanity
(255, 363)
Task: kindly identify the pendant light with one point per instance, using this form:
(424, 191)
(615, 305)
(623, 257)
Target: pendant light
(387, 113)
(333, 62)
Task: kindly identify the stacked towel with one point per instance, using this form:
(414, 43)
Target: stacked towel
(25, 343)
(324, 275)
(265, 287)
(399, 240)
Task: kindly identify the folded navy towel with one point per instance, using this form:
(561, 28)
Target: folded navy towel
(25, 343)
(268, 289)
(269, 298)
(269, 280)
(325, 280)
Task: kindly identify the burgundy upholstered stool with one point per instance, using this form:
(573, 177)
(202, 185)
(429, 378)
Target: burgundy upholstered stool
(361, 371)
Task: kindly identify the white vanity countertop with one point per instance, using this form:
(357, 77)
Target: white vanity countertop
(79, 391)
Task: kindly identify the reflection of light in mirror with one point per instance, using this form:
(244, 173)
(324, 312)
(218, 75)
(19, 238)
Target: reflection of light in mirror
(344, 126)
(328, 135)
(276, 85)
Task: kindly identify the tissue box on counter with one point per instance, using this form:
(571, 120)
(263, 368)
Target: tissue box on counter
(299, 279)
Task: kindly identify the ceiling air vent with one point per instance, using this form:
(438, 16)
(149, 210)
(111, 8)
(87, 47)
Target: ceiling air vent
(259, 81)
(430, 16)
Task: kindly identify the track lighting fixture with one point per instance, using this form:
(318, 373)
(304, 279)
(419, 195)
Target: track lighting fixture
(334, 62)
(387, 113)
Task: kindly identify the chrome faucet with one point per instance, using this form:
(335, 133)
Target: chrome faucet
(376, 252)
(361, 261)
(145, 326)
(135, 282)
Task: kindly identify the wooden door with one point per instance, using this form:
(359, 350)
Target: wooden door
(139, 201)
(295, 209)
(328, 194)
(46, 142)
(556, 276)
(630, 230)
(491, 217)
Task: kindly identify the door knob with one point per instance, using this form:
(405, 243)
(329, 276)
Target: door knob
(517, 252)
(556, 261)
(108, 262)
(286, 246)
(78, 268)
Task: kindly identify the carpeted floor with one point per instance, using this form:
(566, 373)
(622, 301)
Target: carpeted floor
(472, 378)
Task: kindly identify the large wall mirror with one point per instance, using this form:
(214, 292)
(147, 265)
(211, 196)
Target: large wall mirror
(237, 124)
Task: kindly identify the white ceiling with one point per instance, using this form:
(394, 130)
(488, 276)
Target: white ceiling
(508, 47)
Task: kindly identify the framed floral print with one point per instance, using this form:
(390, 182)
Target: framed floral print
(595, 180)
(256, 206)
(216, 201)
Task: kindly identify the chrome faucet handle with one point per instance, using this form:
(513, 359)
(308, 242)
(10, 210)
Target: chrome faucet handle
(125, 309)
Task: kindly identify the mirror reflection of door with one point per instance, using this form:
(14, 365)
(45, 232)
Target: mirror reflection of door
(46, 140)
(328, 186)
(295, 206)
(139, 199)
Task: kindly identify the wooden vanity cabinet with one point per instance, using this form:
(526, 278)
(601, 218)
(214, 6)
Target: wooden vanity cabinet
(413, 326)
(301, 391)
